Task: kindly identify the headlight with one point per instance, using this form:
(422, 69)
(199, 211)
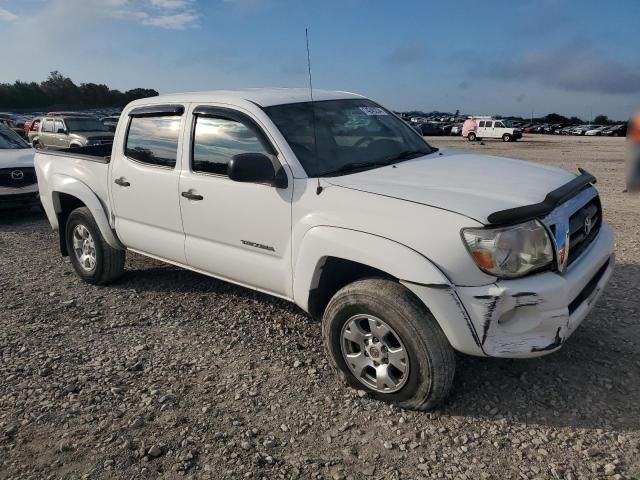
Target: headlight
(510, 251)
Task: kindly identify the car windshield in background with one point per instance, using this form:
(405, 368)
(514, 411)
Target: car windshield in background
(85, 125)
(10, 140)
(350, 135)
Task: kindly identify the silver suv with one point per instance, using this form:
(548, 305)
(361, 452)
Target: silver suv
(70, 131)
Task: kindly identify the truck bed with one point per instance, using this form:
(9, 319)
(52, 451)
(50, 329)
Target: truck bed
(86, 167)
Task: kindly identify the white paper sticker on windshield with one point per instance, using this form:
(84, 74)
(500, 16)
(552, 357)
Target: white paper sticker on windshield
(373, 110)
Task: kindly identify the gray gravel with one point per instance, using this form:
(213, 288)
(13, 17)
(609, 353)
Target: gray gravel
(168, 373)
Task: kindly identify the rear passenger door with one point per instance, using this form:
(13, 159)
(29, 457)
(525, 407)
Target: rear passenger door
(145, 173)
(237, 231)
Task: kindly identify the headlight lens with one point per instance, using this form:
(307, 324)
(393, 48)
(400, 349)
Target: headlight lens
(510, 251)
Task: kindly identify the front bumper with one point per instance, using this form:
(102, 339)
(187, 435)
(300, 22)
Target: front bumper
(524, 317)
(19, 197)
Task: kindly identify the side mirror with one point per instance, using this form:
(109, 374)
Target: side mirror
(255, 168)
(62, 130)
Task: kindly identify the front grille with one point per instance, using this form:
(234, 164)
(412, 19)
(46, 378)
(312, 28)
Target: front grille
(17, 177)
(579, 236)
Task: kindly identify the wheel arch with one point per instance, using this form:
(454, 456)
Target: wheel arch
(68, 194)
(331, 257)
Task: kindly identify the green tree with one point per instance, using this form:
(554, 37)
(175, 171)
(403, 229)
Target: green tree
(60, 90)
(601, 120)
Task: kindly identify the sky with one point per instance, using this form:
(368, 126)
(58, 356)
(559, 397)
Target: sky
(482, 57)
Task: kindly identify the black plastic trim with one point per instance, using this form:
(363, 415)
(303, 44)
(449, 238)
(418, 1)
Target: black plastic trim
(93, 153)
(588, 288)
(550, 202)
(157, 111)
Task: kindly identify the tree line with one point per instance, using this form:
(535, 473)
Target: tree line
(60, 90)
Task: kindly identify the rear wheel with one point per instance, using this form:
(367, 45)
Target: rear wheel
(93, 259)
(471, 137)
(506, 137)
(382, 339)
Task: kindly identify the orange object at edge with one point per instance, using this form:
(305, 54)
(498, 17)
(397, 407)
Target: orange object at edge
(633, 132)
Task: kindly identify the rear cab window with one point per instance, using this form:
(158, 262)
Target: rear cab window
(153, 137)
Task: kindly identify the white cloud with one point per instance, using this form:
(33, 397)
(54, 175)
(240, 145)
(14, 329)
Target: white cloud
(7, 16)
(171, 4)
(175, 22)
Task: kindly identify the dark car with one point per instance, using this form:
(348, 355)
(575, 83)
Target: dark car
(615, 131)
(110, 122)
(430, 129)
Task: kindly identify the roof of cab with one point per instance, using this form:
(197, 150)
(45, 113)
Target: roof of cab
(264, 97)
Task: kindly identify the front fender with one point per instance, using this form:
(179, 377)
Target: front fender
(59, 183)
(381, 253)
(412, 269)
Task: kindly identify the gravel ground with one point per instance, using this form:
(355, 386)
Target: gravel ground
(168, 373)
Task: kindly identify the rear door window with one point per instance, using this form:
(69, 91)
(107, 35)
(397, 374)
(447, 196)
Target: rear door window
(153, 140)
(47, 126)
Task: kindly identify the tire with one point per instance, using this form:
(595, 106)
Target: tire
(506, 137)
(472, 137)
(108, 262)
(429, 360)
(37, 145)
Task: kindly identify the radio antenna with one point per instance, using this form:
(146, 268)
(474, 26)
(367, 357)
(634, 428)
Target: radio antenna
(313, 109)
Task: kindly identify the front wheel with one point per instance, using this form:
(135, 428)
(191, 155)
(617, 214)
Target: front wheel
(382, 339)
(93, 259)
(506, 137)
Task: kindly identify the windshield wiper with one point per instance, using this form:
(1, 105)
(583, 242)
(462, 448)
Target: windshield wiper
(407, 155)
(352, 167)
(360, 166)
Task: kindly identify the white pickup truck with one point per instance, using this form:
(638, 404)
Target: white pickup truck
(406, 252)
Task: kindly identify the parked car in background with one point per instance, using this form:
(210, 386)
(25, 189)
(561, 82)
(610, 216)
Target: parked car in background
(488, 127)
(34, 128)
(60, 131)
(429, 129)
(18, 183)
(8, 121)
(456, 129)
(110, 122)
(596, 131)
(583, 129)
(615, 131)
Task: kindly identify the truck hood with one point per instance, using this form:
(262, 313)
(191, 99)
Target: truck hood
(465, 183)
(16, 158)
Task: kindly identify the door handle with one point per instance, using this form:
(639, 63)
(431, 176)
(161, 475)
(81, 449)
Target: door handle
(192, 196)
(122, 182)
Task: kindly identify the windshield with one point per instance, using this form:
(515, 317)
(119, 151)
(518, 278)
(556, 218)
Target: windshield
(85, 125)
(354, 134)
(10, 140)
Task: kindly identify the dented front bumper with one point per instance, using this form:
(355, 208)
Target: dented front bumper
(534, 315)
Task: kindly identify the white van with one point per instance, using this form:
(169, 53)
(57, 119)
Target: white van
(488, 127)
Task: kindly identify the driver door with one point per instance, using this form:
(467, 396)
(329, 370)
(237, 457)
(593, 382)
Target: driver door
(240, 232)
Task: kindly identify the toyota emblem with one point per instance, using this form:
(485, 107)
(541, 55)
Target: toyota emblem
(587, 225)
(17, 174)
